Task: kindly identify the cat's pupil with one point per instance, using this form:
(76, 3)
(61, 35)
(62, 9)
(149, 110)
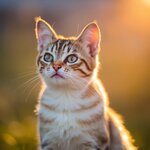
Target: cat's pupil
(72, 58)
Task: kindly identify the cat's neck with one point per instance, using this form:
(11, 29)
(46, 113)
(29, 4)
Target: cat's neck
(63, 96)
(57, 91)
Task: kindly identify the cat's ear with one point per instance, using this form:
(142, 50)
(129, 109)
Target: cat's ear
(45, 34)
(90, 38)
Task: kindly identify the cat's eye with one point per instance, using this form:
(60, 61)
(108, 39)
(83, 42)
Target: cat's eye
(72, 58)
(48, 57)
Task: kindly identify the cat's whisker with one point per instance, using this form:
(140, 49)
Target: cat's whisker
(53, 24)
(32, 67)
(30, 84)
(69, 76)
(78, 78)
(83, 82)
(32, 90)
(28, 71)
(28, 81)
(25, 75)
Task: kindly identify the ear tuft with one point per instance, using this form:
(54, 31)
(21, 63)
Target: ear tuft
(45, 34)
(90, 38)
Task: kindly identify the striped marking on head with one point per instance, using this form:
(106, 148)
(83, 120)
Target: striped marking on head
(63, 48)
(86, 45)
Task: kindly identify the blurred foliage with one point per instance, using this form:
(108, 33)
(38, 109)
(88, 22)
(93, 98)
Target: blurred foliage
(125, 67)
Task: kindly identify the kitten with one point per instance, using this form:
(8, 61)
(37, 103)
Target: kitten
(73, 109)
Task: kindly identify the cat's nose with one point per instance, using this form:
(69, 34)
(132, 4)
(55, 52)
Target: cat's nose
(56, 67)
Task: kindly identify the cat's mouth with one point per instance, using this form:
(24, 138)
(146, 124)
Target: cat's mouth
(56, 75)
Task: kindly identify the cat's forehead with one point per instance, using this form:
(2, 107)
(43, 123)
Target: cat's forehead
(61, 46)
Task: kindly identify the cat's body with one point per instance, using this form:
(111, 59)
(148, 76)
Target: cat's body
(70, 122)
(73, 110)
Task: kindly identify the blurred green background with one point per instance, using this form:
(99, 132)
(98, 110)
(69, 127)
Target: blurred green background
(125, 61)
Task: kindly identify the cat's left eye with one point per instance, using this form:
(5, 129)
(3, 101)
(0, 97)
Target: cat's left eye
(72, 58)
(48, 57)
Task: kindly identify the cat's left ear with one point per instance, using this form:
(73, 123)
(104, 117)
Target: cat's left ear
(90, 38)
(45, 34)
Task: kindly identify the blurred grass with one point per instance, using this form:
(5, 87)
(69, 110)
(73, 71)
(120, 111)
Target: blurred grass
(19, 135)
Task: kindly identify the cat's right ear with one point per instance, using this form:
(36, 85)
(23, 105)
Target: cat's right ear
(45, 34)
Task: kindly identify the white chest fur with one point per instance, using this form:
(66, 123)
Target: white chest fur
(60, 125)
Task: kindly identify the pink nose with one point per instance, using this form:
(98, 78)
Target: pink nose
(56, 67)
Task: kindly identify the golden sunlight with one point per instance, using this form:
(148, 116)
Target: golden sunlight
(147, 2)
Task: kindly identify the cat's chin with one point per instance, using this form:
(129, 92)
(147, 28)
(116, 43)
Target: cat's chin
(55, 81)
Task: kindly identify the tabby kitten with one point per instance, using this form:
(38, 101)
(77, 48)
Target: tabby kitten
(73, 110)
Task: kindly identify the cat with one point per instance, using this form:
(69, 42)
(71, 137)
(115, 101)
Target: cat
(73, 110)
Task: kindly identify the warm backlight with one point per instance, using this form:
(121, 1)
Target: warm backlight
(147, 2)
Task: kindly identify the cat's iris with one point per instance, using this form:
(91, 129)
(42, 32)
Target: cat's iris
(48, 57)
(72, 58)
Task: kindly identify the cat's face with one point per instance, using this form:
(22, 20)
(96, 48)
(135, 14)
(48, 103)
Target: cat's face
(63, 61)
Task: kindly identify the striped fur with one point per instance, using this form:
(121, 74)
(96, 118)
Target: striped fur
(73, 111)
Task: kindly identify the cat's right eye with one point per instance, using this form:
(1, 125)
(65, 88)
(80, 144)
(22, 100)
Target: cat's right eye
(48, 57)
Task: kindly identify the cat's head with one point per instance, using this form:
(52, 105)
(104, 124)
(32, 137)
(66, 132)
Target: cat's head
(67, 61)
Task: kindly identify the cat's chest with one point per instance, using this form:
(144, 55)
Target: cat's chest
(61, 109)
(69, 118)
(67, 111)
(58, 118)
